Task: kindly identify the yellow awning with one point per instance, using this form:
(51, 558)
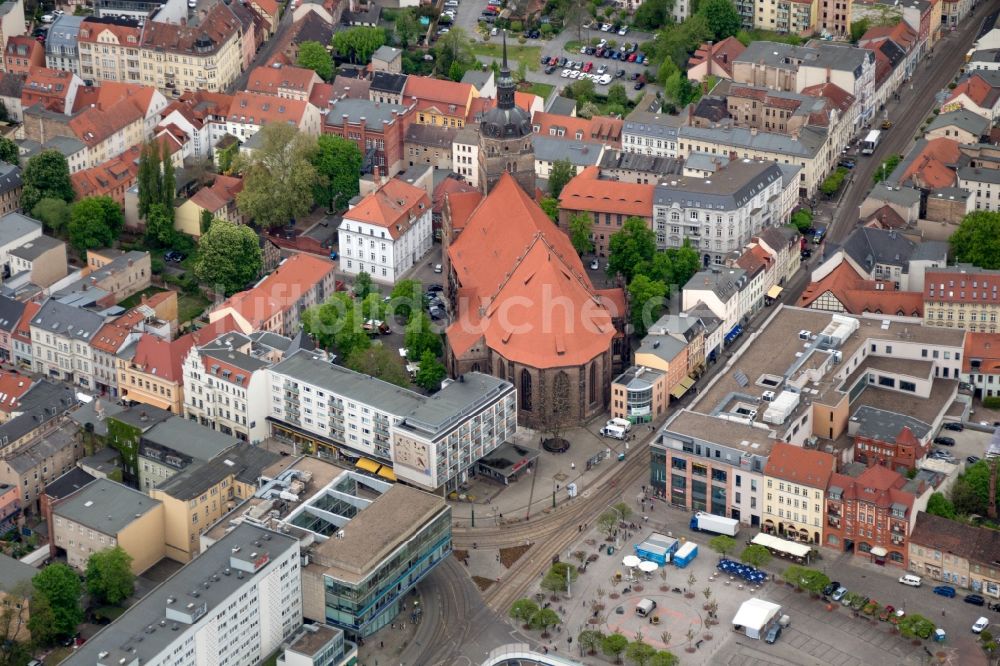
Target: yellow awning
(387, 473)
(368, 465)
(774, 291)
(680, 390)
(687, 382)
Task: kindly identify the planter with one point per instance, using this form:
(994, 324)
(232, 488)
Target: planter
(706, 606)
(689, 595)
(689, 650)
(614, 595)
(664, 588)
(637, 588)
(707, 636)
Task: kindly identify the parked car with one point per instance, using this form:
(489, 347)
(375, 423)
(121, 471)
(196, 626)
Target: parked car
(945, 591)
(954, 426)
(565, 73)
(595, 265)
(847, 163)
(434, 287)
(839, 593)
(944, 441)
(910, 579)
(620, 73)
(805, 254)
(623, 31)
(562, 62)
(639, 85)
(972, 460)
(550, 69)
(333, 255)
(773, 635)
(173, 256)
(589, 66)
(974, 599)
(437, 268)
(831, 588)
(980, 625)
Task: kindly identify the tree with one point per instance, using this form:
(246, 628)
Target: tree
(54, 214)
(652, 14)
(406, 300)
(607, 522)
(808, 579)
(95, 222)
(523, 610)
(613, 645)
(723, 19)
(46, 176)
(756, 555)
(590, 640)
(454, 46)
(432, 372)
(664, 658)
(206, 221)
(159, 226)
(407, 27)
(337, 323)
(229, 256)
(938, 505)
(574, 16)
(359, 43)
(915, 625)
(630, 247)
(109, 576)
(886, 168)
(831, 184)
(362, 285)
(419, 338)
(42, 621)
(977, 240)
(58, 586)
(582, 91)
(8, 151)
(802, 220)
(545, 618)
(623, 510)
(579, 233)
(858, 29)
(13, 619)
(378, 361)
(338, 165)
(646, 299)
(168, 184)
(562, 172)
(278, 177)
(639, 653)
(722, 544)
(313, 56)
(617, 94)
(551, 208)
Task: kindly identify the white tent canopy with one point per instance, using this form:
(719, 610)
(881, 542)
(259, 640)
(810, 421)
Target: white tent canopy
(755, 615)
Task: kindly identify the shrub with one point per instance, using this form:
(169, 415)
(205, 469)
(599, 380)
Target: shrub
(992, 402)
(156, 265)
(517, 26)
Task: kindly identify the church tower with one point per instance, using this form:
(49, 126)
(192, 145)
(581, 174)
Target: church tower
(505, 137)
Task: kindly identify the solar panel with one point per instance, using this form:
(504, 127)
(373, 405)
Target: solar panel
(741, 378)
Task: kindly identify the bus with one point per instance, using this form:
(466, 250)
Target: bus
(871, 141)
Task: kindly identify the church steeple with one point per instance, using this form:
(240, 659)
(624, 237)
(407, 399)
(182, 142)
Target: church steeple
(505, 86)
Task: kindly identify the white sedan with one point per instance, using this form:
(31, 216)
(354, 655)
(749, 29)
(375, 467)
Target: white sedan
(566, 73)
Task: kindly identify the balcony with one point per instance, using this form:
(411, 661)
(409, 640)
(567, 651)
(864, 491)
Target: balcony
(833, 521)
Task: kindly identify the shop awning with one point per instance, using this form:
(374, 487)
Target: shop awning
(387, 473)
(368, 465)
(878, 551)
(774, 291)
(682, 387)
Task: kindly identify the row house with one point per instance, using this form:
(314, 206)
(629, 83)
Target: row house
(22, 354)
(978, 92)
(11, 311)
(608, 203)
(963, 297)
(112, 178)
(201, 116)
(956, 553)
(155, 315)
(22, 53)
(276, 303)
(285, 81)
(51, 89)
(653, 134)
(871, 511)
(981, 366)
(251, 111)
(217, 200)
(440, 102)
(60, 339)
(795, 487)
(62, 43)
(714, 59)
(896, 56)
(885, 438)
(109, 48)
(150, 101)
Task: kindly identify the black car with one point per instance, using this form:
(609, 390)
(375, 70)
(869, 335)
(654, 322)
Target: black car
(562, 62)
(534, 34)
(972, 460)
(974, 599)
(639, 85)
(828, 590)
(544, 60)
(173, 256)
(550, 69)
(435, 287)
(954, 425)
(635, 76)
(805, 254)
(944, 441)
(591, 50)
(620, 73)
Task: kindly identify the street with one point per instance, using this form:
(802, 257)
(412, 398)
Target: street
(915, 102)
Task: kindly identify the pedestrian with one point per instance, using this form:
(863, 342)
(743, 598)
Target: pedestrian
(572, 465)
(381, 644)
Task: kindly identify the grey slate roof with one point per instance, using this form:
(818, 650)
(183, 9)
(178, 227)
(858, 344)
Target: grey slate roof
(953, 193)
(14, 573)
(931, 250)
(963, 119)
(439, 412)
(727, 189)
(11, 85)
(187, 438)
(577, 153)
(10, 313)
(868, 246)
(40, 452)
(244, 460)
(986, 55)
(477, 77)
(724, 282)
(10, 177)
(977, 175)
(66, 320)
(388, 82)
(43, 402)
(14, 226)
(176, 592)
(653, 125)
(815, 54)
(665, 347)
(386, 53)
(661, 166)
(706, 161)
(355, 109)
(808, 143)
(637, 378)
(431, 135)
(67, 145)
(36, 247)
(562, 106)
(902, 196)
(884, 425)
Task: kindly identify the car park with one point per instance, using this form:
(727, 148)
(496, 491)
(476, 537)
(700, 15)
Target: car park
(945, 591)
(839, 593)
(974, 599)
(980, 625)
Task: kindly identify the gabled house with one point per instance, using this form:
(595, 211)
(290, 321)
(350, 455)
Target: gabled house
(217, 200)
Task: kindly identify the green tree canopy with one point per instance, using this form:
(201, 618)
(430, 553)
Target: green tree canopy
(562, 172)
(939, 505)
(664, 658)
(362, 285)
(551, 208)
(9, 152)
(454, 46)
(523, 610)
(545, 618)
(808, 579)
(58, 586)
(278, 176)
(859, 28)
(406, 299)
(617, 95)
(977, 240)
(229, 256)
(639, 653)
(338, 164)
(590, 640)
(358, 43)
(378, 361)
(614, 644)
(630, 247)
(312, 55)
(582, 91)
(722, 544)
(802, 219)
(756, 555)
(722, 17)
(419, 337)
(579, 232)
(885, 170)
(95, 222)
(159, 226)
(407, 27)
(337, 324)
(652, 14)
(432, 372)
(646, 298)
(109, 576)
(53, 213)
(46, 175)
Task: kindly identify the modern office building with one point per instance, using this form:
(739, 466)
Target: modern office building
(234, 604)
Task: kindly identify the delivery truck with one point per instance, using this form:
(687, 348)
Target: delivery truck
(706, 522)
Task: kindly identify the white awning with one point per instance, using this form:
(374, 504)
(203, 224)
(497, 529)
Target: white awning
(878, 551)
(755, 614)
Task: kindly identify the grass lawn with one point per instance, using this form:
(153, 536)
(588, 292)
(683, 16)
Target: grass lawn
(529, 55)
(543, 90)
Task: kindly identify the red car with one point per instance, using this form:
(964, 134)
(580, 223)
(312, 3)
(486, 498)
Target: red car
(492, 10)
(554, 60)
(631, 57)
(589, 66)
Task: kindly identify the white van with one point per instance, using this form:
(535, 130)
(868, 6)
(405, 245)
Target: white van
(645, 607)
(611, 430)
(911, 580)
(624, 424)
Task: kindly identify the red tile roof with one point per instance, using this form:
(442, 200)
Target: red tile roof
(481, 105)
(156, 356)
(274, 80)
(94, 125)
(859, 295)
(221, 193)
(885, 217)
(120, 172)
(956, 287)
(22, 331)
(109, 93)
(449, 98)
(395, 206)
(722, 53)
(805, 467)
(978, 91)
(877, 485)
(985, 348)
(602, 129)
(12, 387)
(587, 192)
(934, 166)
(48, 86)
(445, 188)
(219, 25)
(840, 98)
(110, 337)
(124, 34)
(462, 205)
(258, 109)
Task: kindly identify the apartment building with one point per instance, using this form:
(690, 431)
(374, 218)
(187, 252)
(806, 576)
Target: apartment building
(60, 340)
(378, 129)
(62, 43)
(718, 215)
(870, 512)
(20, 337)
(39, 460)
(794, 16)
(983, 184)
(651, 134)
(276, 303)
(104, 514)
(387, 233)
(21, 54)
(173, 444)
(10, 314)
(981, 366)
(639, 394)
(52, 89)
(795, 483)
(41, 261)
(955, 553)
(250, 111)
(963, 297)
(225, 381)
(109, 48)
(238, 602)
(439, 101)
(285, 81)
(430, 443)
(607, 202)
(15, 593)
